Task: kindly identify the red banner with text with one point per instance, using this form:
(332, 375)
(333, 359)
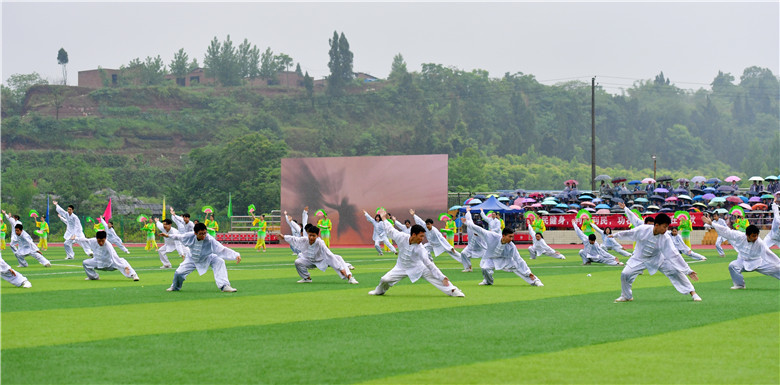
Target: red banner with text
(614, 221)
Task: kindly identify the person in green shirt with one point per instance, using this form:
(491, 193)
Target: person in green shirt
(3, 230)
(325, 226)
(211, 226)
(685, 231)
(260, 225)
(450, 228)
(150, 230)
(42, 233)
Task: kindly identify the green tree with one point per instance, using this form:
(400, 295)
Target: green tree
(62, 59)
(397, 69)
(269, 67)
(308, 84)
(340, 64)
(284, 61)
(14, 93)
(248, 60)
(180, 66)
(222, 62)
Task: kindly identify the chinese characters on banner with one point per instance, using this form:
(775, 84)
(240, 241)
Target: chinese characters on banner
(614, 221)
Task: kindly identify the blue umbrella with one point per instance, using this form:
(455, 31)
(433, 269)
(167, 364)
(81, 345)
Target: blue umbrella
(657, 197)
(640, 199)
(456, 207)
(713, 180)
(597, 200)
(635, 182)
(710, 190)
(574, 205)
(744, 199)
(661, 190)
(479, 196)
(585, 197)
(698, 198)
(680, 191)
(602, 206)
(562, 205)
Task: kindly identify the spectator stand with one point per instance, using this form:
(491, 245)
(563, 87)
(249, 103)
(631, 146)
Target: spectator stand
(241, 229)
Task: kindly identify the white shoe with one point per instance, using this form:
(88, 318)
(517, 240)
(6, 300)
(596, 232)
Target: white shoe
(26, 284)
(305, 280)
(704, 259)
(20, 266)
(722, 255)
(469, 270)
(351, 267)
(537, 283)
(229, 289)
(165, 266)
(69, 258)
(90, 279)
(353, 281)
(135, 277)
(483, 283)
(563, 257)
(47, 265)
(621, 299)
(170, 289)
(458, 293)
(696, 298)
(373, 292)
(737, 287)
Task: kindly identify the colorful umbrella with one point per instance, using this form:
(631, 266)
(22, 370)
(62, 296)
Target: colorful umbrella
(587, 203)
(771, 177)
(708, 196)
(602, 211)
(642, 200)
(759, 206)
(635, 182)
(733, 199)
(744, 206)
(474, 201)
(767, 196)
(671, 199)
(648, 180)
(756, 179)
(571, 181)
(536, 205)
(754, 200)
(660, 190)
(698, 178)
(730, 179)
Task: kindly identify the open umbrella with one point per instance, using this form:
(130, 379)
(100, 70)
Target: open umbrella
(657, 197)
(571, 181)
(713, 180)
(528, 200)
(536, 195)
(697, 191)
(602, 206)
(680, 191)
(606, 196)
(699, 204)
(756, 179)
(730, 179)
(603, 177)
(571, 211)
(683, 180)
(479, 196)
(648, 180)
(617, 200)
(590, 204)
(686, 197)
(722, 211)
(474, 201)
(602, 211)
(536, 205)
(574, 205)
(589, 209)
(767, 196)
(771, 177)
(515, 207)
(653, 207)
(698, 178)
(503, 199)
(718, 200)
(698, 198)
(549, 203)
(585, 197)
(726, 189)
(542, 212)
(743, 198)
(562, 206)
(744, 206)
(642, 200)
(708, 196)
(661, 190)
(664, 178)
(556, 211)
(456, 207)
(733, 199)
(635, 182)
(671, 199)
(754, 200)
(638, 192)
(710, 190)
(597, 200)
(618, 179)
(760, 206)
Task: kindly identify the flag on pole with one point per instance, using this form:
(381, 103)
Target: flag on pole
(163, 213)
(47, 209)
(230, 205)
(107, 213)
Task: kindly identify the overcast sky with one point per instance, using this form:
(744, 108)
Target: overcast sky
(616, 42)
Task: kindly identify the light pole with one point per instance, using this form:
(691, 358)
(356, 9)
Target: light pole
(654, 158)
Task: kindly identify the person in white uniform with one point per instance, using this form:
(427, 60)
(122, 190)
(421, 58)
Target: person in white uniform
(773, 238)
(494, 224)
(752, 253)
(73, 230)
(205, 252)
(476, 247)
(104, 257)
(592, 251)
(111, 235)
(679, 245)
(12, 276)
(23, 247)
(312, 252)
(413, 262)
(437, 244)
(608, 243)
(13, 220)
(654, 251)
(719, 241)
(540, 246)
(405, 227)
(379, 235)
(500, 254)
(170, 245)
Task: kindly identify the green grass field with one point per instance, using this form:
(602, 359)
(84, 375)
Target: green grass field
(274, 330)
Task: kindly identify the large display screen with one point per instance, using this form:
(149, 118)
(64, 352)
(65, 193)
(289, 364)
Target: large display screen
(345, 186)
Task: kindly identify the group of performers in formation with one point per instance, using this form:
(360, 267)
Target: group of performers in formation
(656, 248)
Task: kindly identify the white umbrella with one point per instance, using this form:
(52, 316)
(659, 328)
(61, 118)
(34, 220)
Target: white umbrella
(756, 178)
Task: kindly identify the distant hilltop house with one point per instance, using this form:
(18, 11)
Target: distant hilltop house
(106, 77)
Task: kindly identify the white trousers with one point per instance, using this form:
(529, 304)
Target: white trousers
(36, 255)
(188, 266)
(719, 242)
(598, 259)
(619, 249)
(378, 246)
(16, 280)
(535, 253)
(519, 267)
(165, 249)
(634, 266)
(396, 274)
(736, 268)
(452, 253)
(692, 254)
(303, 266)
(68, 245)
(90, 265)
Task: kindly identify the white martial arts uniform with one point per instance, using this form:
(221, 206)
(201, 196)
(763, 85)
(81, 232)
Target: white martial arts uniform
(773, 238)
(104, 258)
(14, 277)
(184, 228)
(112, 237)
(169, 246)
(476, 247)
(205, 253)
(413, 262)
(316, 255)
(402, 227)
(494, 224)
(73, 229)
(680, 246)
(540, 247)
(12, 222)
(654, 253)
(379, 235)
(304, 221)
(610, 244)
(500, 256)
(593, 252)
(437, 244)
(751, 256)
(720, 239)
(295, 231)
(23, 246)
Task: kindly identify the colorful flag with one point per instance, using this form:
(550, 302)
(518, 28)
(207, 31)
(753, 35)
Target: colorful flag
(163, 213)
(230, 205)
(47, 209)
(106, 214)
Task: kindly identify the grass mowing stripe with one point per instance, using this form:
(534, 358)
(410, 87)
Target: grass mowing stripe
(365, 347)
(684, 356)
(147, 318)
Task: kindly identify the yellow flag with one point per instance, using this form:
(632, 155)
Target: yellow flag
(163, 213)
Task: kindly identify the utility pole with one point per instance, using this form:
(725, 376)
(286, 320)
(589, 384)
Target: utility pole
(593, 134)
